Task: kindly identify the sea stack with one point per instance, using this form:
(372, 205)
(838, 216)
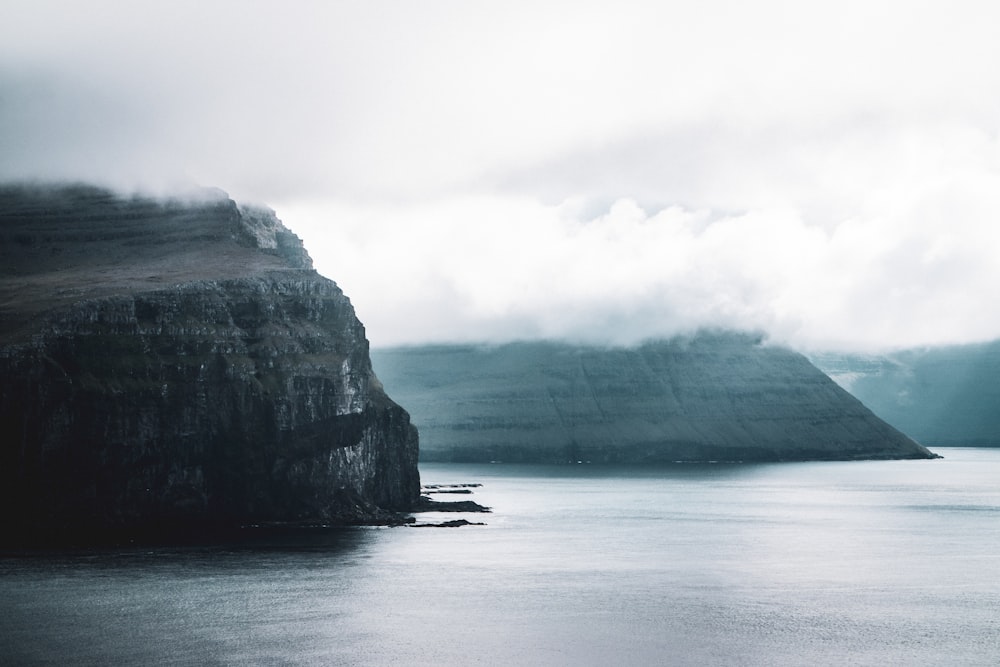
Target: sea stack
(177, 364)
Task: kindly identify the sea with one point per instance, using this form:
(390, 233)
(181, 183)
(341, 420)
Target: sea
(832, 563)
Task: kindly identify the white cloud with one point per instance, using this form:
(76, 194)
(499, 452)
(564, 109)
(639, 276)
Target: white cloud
(499, 268)
(827, 170)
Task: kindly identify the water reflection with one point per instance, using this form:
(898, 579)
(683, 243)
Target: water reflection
(768, 564)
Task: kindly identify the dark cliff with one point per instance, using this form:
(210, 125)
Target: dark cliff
(180, 365)
(714, 396)
(947, 395)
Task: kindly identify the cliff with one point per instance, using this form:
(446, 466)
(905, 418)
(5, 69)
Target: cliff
(714, 396)
(179, 365)
(948, 395)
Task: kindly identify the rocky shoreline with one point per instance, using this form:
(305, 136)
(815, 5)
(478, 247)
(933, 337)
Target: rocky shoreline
(428, 504)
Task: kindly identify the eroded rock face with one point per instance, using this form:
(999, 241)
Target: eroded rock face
(179, 363)
(710, 397)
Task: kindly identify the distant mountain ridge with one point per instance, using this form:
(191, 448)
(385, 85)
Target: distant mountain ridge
(713, 396)
(948, 395)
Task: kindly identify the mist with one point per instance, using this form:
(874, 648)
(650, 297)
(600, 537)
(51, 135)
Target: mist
(829, 173)
(527, 270)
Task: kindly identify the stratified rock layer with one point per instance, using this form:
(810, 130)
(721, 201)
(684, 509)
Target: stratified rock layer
(179, 365)
(711, 397)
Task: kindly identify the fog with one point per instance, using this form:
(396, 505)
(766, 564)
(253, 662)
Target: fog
(826, 172)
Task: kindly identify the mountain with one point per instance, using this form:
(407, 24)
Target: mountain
(948, 395)
(711, 396)
(177, 364)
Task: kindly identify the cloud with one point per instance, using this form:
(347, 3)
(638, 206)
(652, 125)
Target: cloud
(826, 171)
(499, 268)
(391, 99)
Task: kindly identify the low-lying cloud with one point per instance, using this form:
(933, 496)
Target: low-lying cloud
(500, 268)
(828, 172)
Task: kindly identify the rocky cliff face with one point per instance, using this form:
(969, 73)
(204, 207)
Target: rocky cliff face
(710, 397)
(179, 364)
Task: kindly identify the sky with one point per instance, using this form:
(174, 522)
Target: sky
(825, 172)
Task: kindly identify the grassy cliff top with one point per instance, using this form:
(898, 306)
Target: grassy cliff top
(60, 244)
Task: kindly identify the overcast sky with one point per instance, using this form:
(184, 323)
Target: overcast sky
(826, 171)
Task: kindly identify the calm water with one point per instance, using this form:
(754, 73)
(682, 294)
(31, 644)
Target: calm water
(881, 563)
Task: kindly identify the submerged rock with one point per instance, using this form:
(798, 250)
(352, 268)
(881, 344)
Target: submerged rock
(430, 505)
(715, 396)
(456, 523)
(178, 364)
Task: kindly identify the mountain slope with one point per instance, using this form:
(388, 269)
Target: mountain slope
(947, 395)
(715, 396)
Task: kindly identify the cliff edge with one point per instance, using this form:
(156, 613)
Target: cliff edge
(177, 364)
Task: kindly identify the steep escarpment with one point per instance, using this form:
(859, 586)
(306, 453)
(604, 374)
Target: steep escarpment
(179, 364)
(713, 396)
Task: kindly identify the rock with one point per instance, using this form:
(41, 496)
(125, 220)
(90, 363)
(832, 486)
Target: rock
(429, 505)
(178, 364)
(715, 396)
(466, 489)
(456, 523)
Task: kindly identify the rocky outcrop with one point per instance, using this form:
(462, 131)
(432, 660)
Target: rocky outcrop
(179, 365)
(947, 395)
(710, 397)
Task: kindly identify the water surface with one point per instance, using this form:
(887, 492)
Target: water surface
(865, 563)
